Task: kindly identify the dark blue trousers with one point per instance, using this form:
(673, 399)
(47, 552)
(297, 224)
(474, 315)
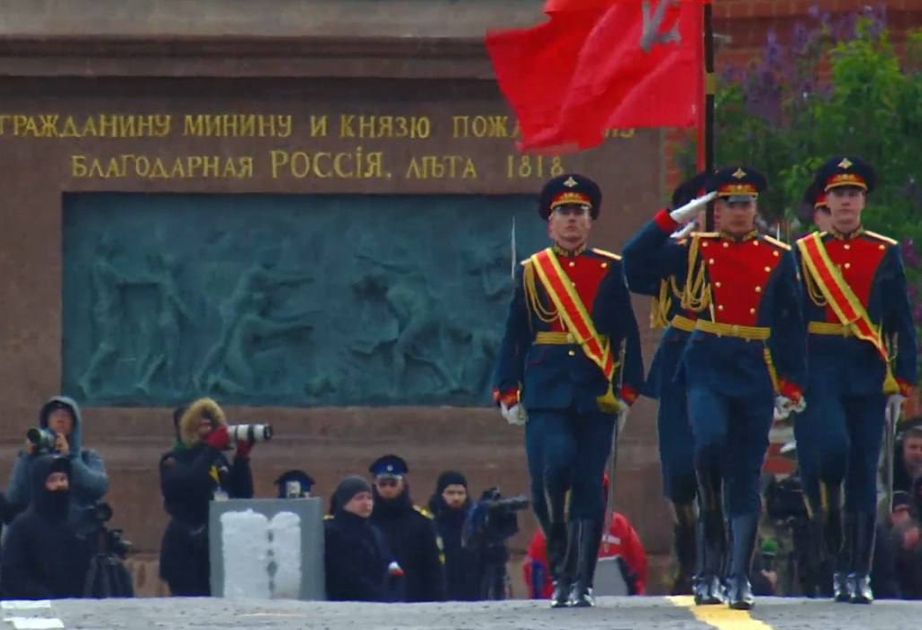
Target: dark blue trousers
(731, 436)
(839, 439)
(676, 444)
(567, 452)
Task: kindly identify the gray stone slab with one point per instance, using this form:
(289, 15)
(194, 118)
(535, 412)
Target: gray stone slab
(310, 513)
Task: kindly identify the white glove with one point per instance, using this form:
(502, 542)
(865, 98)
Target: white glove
(690, 210)
(514, 415)
(784, 407)
(894, 406)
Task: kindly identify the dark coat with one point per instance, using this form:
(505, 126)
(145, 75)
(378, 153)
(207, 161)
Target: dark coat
(411, 537)
(43, 558)
(356, 559)
(190, 476)
(462, 574)
(562, 376)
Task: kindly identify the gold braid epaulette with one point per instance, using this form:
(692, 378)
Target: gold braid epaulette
(697, 293)
(545, 314)
(813, 290)
(660, 306)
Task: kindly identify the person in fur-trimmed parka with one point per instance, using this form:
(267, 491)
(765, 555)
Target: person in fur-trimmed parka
(191, 475)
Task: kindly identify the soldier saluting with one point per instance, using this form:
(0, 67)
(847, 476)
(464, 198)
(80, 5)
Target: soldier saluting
(648, 274)
(745, 356)
(571, 357)
(862, 355)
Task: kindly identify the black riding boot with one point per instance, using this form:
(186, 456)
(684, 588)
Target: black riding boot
(739, 592)
(708, 586)
(589, 537)
(859, 577)
(686, 543)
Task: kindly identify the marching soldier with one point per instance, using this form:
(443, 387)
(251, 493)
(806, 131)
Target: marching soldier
(646, 275)
(744, 357)
(571, 357)
(816, 210)
(862, 356)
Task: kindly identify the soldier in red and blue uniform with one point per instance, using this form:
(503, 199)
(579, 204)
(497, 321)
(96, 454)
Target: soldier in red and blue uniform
(745, 357)
(646, 275)
(862, 355)
(571, 358)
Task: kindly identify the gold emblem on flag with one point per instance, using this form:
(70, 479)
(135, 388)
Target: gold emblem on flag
(845, 163)
(571, 183)
(739, 174)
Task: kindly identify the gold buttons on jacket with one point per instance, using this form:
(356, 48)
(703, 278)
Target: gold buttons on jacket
(572, 353)
(572, 263)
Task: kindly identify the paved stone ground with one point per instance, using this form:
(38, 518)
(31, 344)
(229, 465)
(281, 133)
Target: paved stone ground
(611, 614)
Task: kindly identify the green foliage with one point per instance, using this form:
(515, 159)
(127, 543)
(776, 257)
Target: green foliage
(835, 89)
(826, 96)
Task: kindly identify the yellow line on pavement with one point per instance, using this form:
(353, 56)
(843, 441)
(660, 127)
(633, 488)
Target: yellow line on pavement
(719, 616)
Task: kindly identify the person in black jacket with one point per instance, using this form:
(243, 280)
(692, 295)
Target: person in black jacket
(409, 531)
(356, 559)
(43, 558)
(451, 505)
(191, 475)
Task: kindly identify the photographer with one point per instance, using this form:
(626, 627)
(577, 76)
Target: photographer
(43, 557)
(61, 434)
(450, 505)
(191, 475)
(492, 522)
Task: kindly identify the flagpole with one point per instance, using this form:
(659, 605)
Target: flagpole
(706, 131)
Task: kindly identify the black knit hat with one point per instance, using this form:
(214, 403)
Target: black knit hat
(347, 489)
(450, 478)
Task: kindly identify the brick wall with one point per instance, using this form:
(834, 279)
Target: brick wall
(747, 22)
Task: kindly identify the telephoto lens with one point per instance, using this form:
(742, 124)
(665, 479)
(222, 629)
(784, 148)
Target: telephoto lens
(250, 433)
(43, 439)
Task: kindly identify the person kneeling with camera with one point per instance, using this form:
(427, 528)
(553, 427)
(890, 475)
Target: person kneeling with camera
(60, 432)
(43, 558)
(193, 474)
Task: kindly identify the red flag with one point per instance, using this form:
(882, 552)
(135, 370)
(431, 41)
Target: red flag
(602, 64)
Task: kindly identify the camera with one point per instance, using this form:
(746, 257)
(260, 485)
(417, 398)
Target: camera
(250, 433)
(490, 523)
(43, 439)
(494, 501)
(112, 540)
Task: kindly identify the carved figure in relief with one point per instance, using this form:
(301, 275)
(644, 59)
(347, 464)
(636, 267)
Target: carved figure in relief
(249, 323)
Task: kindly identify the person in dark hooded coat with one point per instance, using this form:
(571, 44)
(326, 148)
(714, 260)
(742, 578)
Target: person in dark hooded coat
(43, 558)
(409, 531)
(357, 561)
(88, 479)
(191, 475)
(451, 505)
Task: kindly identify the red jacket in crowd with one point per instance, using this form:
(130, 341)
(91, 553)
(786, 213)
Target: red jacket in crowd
(621, 540)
